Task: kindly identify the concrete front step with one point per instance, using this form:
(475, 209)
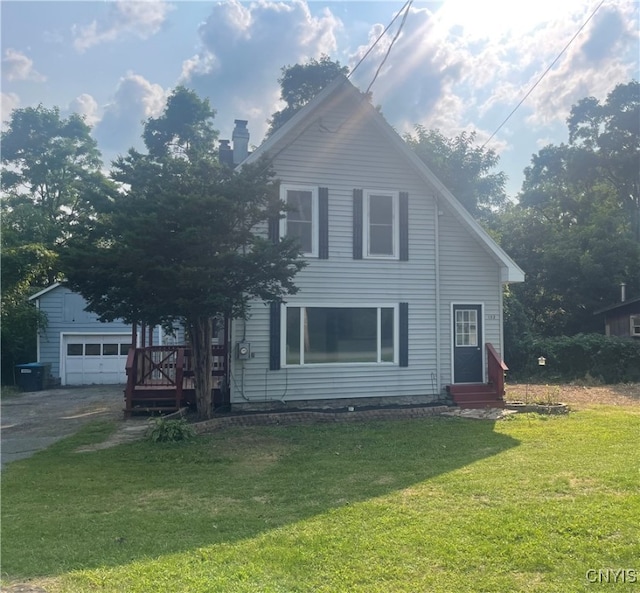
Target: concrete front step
(474, 405)
(470, 388)
(476, 396)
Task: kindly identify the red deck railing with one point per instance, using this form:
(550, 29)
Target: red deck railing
(496, 368)
(167, 368)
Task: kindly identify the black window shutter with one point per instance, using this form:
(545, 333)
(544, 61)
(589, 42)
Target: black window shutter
(403, 331)
(404, 225)
(274, 229)
(323, 223)
(357, 224)
(274, 337)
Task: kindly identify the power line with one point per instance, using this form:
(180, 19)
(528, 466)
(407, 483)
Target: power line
(566, 47)
(404, 18)
(362, 59)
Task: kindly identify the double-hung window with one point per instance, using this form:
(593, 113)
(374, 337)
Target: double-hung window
(301, 217)
(635, 326)
(345, 334)
(380, 228)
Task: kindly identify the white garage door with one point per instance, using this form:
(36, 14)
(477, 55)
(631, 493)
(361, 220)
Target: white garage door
(95, 358)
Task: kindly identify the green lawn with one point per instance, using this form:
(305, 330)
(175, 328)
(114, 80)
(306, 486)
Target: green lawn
(525, 504)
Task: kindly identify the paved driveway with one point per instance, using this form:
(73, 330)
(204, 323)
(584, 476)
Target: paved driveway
(34, 420)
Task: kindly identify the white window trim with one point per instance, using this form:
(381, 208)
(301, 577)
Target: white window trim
(315, 214)
(378, 306)
(482, 336)
(367, 193)
(634, 324)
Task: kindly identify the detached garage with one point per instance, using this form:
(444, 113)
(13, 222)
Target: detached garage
(94, 358)
(80, 349)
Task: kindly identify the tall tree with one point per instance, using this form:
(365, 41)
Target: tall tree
(464, 168)
(180, 242)
(51, 181)
(574, 230)
(51, 174)
(301, 83)
(611, 132)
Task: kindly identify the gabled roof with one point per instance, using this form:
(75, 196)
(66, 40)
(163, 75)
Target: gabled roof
(293, 128)
(33, 297)
(619, 305)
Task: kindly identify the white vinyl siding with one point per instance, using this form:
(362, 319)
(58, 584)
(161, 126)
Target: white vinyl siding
(301, 218)
(357, 155)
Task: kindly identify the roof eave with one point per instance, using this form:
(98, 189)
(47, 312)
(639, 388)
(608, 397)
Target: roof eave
(510, 271)
(33, 297)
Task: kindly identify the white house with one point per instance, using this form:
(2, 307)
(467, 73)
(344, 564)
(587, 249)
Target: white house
(403, 290)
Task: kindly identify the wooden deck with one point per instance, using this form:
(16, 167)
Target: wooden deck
(483, 395)
(160, 378)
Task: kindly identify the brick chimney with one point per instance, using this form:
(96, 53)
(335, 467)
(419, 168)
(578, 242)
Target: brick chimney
(225, 154)
(240, 139)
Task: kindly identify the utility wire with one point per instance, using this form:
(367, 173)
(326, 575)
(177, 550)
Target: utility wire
(362, 59)
(566, 47)
(404, 18)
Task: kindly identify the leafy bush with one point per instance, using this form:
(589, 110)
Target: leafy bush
(598, 357)
(163, 430)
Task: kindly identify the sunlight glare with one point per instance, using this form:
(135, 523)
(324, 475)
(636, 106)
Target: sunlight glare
(496, 19)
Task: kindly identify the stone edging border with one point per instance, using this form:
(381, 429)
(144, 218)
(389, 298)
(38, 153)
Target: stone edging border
(312, 417)
(551, 409)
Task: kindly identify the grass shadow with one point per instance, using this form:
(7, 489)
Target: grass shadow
(64, 510)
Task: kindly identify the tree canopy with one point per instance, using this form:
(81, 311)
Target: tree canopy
(180, 241)
(302, 82)
(574, 231)
(466, 170)
(51, 184)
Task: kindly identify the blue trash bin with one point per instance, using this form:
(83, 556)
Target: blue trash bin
(31, 376)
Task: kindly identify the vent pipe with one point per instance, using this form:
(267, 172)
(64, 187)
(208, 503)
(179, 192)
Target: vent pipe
(623, 292)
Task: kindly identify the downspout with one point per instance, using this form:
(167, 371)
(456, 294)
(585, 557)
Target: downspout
(501, 349)
(436, 234)
(38, 333)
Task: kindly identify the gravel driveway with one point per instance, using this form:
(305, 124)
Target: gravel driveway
(34, 420)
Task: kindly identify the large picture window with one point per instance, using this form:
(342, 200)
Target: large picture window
(380, 227)
(320, 335)
(301, 219)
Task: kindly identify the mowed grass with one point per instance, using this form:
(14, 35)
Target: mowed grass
(445, 505)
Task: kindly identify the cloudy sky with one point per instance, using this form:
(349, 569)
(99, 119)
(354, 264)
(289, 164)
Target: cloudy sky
(456, 65)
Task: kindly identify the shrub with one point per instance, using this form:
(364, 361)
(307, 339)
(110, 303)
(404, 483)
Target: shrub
(598, 357)
(163, 430)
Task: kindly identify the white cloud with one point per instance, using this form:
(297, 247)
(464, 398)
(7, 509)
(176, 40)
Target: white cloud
(10, 101)
(597, 60)
(86, 106)
(134, 100)
(243, 48)
(417, 82)
(593, 65)
(17, 66)
(141, 18)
